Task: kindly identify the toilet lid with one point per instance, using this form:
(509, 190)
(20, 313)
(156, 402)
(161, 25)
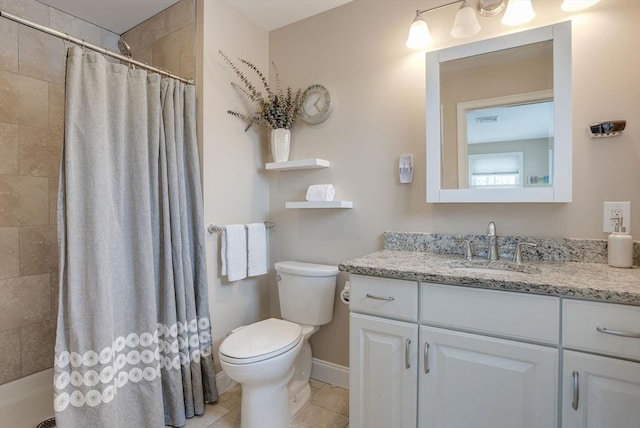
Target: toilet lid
(261, 340)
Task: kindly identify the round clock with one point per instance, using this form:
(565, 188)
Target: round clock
(316, 105)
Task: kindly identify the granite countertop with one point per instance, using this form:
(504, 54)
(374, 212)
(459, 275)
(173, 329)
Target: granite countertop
(593, 281)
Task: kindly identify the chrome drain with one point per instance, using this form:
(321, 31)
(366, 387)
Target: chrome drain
(47, 423)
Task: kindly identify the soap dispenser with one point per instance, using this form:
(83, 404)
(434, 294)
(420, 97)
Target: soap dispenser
(620, 249)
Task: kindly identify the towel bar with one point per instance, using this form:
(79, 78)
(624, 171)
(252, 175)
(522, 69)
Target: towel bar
(212, 228)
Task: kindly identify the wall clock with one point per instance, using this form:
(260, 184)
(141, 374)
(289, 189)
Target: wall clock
(316, 105)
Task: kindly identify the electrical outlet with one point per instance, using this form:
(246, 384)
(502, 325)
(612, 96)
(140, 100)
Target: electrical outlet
(616, 210)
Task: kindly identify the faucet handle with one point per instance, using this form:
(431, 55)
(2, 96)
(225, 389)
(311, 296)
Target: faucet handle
(491, 229)
(468, 252)
(517, 255)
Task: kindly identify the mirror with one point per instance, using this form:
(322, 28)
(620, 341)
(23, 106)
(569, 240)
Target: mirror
(499, 119)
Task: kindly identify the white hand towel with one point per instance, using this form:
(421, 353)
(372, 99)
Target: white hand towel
(257, 249)
(233, 252)
(321, 192)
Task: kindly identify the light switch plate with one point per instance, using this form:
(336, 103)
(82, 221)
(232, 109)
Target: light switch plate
(616, 209)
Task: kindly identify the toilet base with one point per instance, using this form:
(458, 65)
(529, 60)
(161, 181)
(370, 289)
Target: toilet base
(298, 399)
(298, 387)
(258, 401)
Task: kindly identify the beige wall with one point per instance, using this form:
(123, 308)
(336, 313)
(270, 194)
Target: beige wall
(235, 184)
(358, 52)
(32, 70)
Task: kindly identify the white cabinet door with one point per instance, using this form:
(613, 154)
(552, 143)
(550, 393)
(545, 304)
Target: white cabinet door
(383, 380)
(600, 392)
(468, 380)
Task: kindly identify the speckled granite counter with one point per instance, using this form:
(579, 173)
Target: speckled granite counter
(593, 281)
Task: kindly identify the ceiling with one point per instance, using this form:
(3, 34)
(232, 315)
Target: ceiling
(121, 15)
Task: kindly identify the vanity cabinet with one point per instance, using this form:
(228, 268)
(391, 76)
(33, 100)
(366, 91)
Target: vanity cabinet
(383, 375)
(383, 367)
(434, 355)
(469, 378)
(601, 390)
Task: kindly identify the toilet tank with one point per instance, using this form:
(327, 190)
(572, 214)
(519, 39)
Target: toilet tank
(306, 291)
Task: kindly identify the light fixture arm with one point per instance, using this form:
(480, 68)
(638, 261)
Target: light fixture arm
(420, 12)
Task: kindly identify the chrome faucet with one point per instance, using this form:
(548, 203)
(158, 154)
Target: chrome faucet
(492, 254)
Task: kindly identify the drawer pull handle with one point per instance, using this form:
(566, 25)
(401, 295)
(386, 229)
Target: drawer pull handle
(426, 358)
(407, 344)
(387, 298)
(576, 391)
(618, 332)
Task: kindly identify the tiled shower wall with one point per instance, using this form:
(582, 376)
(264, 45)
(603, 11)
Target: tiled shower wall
(32, 69)
(167, 40)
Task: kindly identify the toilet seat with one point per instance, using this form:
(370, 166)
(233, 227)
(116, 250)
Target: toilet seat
(260, 341)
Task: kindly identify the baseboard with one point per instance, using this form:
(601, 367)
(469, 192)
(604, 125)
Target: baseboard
(224, 382)
(330, 373)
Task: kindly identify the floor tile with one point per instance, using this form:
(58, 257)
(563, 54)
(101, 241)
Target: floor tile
(229, 420)
(314, 416)
(332, 398)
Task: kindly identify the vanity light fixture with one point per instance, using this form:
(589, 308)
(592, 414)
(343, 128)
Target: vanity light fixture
(518, 12)
(419, 36)
(466, 24)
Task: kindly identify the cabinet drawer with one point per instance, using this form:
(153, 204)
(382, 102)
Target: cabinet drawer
(391, 298)
(501, 313)
(581, 321)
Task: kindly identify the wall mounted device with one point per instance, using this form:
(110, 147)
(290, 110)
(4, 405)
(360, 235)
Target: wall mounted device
(616, 213)
(609, 128)
(405, 169)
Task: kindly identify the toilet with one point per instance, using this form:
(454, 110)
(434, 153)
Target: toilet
(271, 358)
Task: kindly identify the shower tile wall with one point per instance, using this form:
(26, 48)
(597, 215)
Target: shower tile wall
(31, 132)
(167, 40)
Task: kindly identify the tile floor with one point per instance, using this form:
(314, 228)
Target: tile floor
(328, 408)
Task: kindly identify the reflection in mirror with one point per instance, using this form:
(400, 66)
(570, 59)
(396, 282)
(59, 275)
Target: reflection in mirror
(503, 107)
(522, 124)
(500, 92)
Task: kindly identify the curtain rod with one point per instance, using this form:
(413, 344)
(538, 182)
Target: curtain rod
(84, 44)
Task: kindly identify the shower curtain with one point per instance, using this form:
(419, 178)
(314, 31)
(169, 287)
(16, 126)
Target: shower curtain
(134, 344)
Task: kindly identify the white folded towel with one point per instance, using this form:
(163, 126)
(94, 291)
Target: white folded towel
(257, 249)
(321, 192)
(233, 252)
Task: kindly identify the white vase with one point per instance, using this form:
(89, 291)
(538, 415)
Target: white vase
(280, 144)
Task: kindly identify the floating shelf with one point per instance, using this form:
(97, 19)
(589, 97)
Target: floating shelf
(319, 204)
(298, 164)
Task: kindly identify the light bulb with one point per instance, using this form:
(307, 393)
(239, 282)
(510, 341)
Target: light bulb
(466, 22)
(518, 12)
(419, 36)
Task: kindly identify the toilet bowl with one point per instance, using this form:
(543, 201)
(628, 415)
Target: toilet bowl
(271, 359)
(261, 358)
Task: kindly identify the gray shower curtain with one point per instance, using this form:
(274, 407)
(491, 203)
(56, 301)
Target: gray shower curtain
(134, 344)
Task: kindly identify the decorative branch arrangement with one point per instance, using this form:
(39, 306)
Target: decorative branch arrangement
(276, 109)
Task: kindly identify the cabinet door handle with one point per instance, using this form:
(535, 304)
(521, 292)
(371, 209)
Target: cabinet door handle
(407, 345)
(386, 298)
(618, 332)
(426, 358)
(576, 391)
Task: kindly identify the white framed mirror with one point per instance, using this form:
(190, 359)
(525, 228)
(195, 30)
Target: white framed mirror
(499, 119)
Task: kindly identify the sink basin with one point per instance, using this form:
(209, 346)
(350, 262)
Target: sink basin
(498, 267)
